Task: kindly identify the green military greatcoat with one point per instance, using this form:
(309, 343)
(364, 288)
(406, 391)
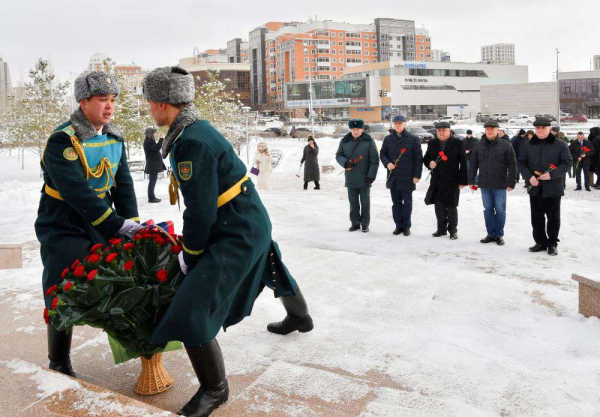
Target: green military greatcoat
(226, 236)
(87, 194)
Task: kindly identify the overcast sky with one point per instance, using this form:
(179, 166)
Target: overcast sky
(157, 33)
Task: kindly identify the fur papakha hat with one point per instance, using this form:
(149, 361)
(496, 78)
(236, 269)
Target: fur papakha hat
(172, 85)
(94, 83)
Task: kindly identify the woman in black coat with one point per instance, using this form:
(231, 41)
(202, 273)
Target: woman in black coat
(154, 162)
(311, 163)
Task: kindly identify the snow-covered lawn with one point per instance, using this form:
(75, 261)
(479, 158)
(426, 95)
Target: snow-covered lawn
(456, 327)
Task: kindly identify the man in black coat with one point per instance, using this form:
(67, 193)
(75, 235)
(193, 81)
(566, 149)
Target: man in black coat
(401, 154)
(357, 153)
(445, 159)
(154, 163)
(545, 161)
(516, 142)
(495, 160)
(468, 145)
(594, 138)
(584, 152)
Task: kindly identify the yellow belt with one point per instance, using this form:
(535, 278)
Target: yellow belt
(232, 193)
(53, 193)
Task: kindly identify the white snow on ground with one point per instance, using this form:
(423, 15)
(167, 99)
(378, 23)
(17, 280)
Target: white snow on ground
(462, 328)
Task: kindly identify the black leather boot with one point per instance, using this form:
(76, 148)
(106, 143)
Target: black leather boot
(297, 316)
(208, 364)
(59, 350)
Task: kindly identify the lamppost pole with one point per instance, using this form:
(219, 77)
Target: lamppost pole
(557, 90)
(246, 110)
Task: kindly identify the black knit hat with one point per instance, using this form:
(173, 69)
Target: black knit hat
(469, 132)
(522, 132)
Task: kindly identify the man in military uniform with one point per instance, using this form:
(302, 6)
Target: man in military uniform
(229, 255)
(88, 195)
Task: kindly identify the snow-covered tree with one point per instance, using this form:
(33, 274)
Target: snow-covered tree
(222, 107)
(132, 115)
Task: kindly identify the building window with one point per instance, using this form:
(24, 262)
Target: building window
(306, 69)
(333, 34)
(340, 43)
(306, 60)
(334, 60)
(367, 61)
(333, 51)
(341, 60)
(367, 53)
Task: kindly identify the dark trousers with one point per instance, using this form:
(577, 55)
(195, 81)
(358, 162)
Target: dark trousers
(573, 171)
(542, 209)
(586, 175)
(402, 208)
(360, 206)
(151, 185)
(447, 217)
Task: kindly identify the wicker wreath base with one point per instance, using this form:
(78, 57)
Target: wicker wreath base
(154, 378)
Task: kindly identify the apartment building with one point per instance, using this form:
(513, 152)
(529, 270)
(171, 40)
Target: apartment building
(499, 53)
(422, 45)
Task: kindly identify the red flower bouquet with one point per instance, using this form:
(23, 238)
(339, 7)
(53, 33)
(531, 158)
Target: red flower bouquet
(538, 174)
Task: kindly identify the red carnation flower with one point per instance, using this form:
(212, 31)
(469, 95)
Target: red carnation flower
(402, 150)
(97, 246)
(94, 259)
(115, 242)
(68, 286)
(159, 240)
(444, 158)
(54, 303)
(128, 246)
(50, 290)
(162, 275)
(92, 275)
(79, 271)
(441, 153)
(552, 166)
(111, 257)
(86, 257)
(46, 316)
(128, 266)
(64, 273)
(138, 237)
(75, 264)
(176, 249)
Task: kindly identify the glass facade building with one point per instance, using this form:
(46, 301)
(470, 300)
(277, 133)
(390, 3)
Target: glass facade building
(581, 96)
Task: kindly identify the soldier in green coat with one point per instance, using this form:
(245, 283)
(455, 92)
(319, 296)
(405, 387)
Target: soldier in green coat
(88, 195)
(357, 153)
(229, 255)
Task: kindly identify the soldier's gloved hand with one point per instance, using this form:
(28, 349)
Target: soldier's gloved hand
(182, 265)
(130, 228)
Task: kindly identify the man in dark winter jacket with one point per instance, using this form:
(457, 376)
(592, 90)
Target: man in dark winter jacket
(594, 138)
(468, 145)
(357, 153)
(584, 152)
(445, 159)
(516, 142)
(401, 154)
(154, 163)
(545, 161)
(495, 160)
(502, 134)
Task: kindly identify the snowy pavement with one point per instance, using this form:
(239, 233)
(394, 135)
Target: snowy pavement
(403, 325)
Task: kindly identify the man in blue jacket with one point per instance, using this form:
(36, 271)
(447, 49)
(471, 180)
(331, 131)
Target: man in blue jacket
(401, 154)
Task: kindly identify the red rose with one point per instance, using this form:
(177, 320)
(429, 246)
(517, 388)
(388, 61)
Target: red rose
(64, 273)
(159, 240)
(115, 242)
(79, 271)
(444, 158)
(54, 303)
(75, 264)
(162, 275)
(50, 290)
(46, 316)
(176, 249)
(128, 266)
(110, 258)
(552, 166)
(128, 246)
(94, 259)
(92, 275)
(138, 237)
(97, 246)
(68, 286)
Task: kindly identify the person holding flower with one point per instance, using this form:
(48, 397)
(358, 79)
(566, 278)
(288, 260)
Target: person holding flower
(88, 195)
(401, 154)
(448, 168)
(583, 155)
(545, 161)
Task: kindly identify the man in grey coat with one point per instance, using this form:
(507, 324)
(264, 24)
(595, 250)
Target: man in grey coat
(497, 165)
(357, 153)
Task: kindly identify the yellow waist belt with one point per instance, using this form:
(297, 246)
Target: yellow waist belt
(55, 194)
(232, 193)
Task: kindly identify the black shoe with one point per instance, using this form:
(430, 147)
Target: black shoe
(453, 236)
(209, 367)
(577, 189)
(488, 239)
(596, 186)
(59, 350)
(537, 248)
(588, 189)
(552, 251)
(406, 231)
(354, 228)
(365, 229)
(317, 188)
(499, 241)
(438, 234)
(154, 200)
(397, 231)
(297, 317)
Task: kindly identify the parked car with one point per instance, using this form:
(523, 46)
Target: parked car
(302, 129)
(276, 130)
(421, 133)
(482, 118)
(576, 119)
(451, 120)
(522, 119)
(500, 117)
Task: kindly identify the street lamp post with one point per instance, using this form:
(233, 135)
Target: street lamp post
(557, 90)
(246, 110)
(310, 91)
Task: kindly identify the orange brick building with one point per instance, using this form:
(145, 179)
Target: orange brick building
(422, 45)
